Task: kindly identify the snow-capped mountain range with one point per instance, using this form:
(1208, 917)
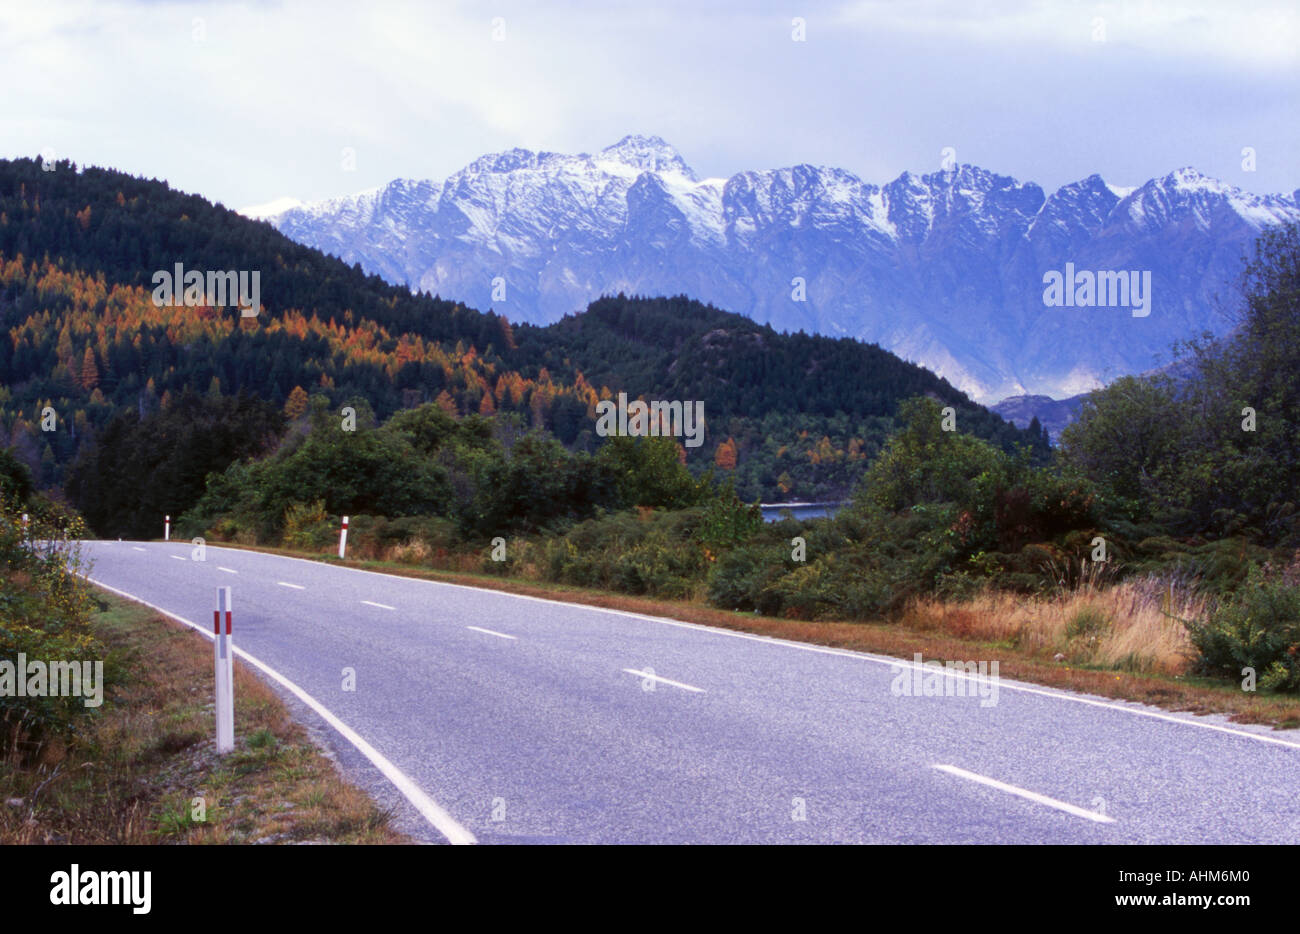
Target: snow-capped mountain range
(945, 269)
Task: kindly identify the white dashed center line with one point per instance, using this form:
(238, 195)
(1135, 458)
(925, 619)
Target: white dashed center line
(676, 684)
(291, 586)
(382, 606)
(177, 558)
(491, 632)
(1028, 795)
(227, 570)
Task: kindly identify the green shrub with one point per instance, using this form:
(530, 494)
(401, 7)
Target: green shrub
(831, 587)
(727, 521)
(1257, 628)
(308, 526)
(739, 579)
(45, 615)
(1220, 567)
(658, 570)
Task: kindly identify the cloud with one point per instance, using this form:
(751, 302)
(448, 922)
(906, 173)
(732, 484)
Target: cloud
(247, 102)
(1242, 34)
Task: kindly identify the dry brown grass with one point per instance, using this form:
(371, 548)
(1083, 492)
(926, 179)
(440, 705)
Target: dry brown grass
(412, 552)
(1130, 626)
(132, 775)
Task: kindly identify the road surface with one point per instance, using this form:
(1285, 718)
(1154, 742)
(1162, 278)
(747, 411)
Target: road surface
(507, 719)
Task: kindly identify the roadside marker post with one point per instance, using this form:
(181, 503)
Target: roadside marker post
(224, 663)
(343, 538)
(24, 525)
(167, 528)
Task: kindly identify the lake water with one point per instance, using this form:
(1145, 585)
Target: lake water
(772, 511)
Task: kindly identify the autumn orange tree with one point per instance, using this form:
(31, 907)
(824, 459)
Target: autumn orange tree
(725, 456)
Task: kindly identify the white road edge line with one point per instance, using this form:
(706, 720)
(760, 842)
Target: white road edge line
(227, 570)
(1028, 795)
(291, 586)
(137, 548)
(676, 684)
(443, 822)
(1004, 684)
(491, 632)
(382, 606)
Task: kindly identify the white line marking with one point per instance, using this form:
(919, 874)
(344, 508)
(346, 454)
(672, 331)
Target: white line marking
(676, 684)
(1004, 684)
(227, 570)
(137, 548)
(443, 822)
(491, 632)
(291, 586)
(1028, 795)
(382, 606)
(177, 558)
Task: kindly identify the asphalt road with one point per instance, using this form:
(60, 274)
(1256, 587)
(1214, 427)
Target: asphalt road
(533, 721)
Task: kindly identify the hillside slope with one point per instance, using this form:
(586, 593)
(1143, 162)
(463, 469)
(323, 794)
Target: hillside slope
(83, 336)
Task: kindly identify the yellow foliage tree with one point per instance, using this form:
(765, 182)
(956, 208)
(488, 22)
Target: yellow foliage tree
(296, 405)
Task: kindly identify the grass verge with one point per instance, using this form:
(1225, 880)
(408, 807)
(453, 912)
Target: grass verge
(948, 630)
(143, 768)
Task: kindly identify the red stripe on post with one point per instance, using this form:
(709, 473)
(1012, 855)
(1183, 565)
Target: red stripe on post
(227, 622)
(216, 622)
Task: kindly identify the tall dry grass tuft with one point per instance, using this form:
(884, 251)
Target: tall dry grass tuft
(1132, 626)
(414, 551)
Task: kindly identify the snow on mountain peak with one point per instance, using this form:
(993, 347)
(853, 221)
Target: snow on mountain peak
(509, 160)
(1189, 178)
(1187, 189)
(944, 267)
(648, 153)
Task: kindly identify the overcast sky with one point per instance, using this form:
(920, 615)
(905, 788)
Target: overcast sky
(247, 102)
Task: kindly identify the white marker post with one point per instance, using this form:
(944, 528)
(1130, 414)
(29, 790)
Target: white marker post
(343, 538)
(224, 663)
(24, 525)
(167, 528)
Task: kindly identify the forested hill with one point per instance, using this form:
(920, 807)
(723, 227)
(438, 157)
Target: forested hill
(682, 349)
(791, 415)
(104, 221)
